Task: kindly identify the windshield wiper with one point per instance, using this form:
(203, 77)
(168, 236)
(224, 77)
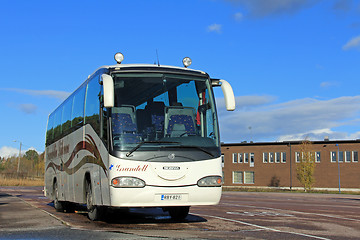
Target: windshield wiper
(197, 147)
(146, 142)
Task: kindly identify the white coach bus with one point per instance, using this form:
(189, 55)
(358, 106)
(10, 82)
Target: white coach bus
(137, 135)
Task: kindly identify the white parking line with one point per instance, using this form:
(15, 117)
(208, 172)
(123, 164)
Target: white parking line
(315, 204)
(262, 227)
(260, 214)
(293, 211)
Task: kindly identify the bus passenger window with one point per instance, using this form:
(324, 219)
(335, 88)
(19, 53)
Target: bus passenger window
(92, 104)
(50, 132)
(77, 115)
(57, 124)
(66, 116)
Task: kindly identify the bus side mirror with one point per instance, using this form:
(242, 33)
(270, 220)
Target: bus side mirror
(227, 91)
(108, 87)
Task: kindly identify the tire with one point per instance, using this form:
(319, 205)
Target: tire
(58, 205)
(179, 213)
(94, 212)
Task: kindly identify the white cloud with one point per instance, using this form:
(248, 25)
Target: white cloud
(320, 134)
(60, 95)
(263, 8)
(215, 28)
(6, 151)
(315, 134)
(27, 108)
(238, 16)
(294, 119)
(246, 102)
(353, 43)
(328, 84)
(355, 135)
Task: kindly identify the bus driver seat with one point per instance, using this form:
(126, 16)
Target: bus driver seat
(124, 125)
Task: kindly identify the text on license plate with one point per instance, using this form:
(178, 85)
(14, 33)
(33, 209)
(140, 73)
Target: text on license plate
(170, 197)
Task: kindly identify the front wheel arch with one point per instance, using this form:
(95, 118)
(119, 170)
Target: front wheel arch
(94, 212)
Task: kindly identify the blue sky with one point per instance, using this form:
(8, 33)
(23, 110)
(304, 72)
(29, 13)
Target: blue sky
(293, 64)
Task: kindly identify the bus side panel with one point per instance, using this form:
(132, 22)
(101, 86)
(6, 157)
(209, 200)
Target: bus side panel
(89, 162)
(71, 161)
(53, 171)
(49, 176)
(68, 143)
(99, 168)
(71, 166)
(62, 175)
(79, 165)
(104, 179)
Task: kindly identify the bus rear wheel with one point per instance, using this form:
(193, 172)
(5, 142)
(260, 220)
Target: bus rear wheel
(59, 205)
(178, 213)
(94, 212)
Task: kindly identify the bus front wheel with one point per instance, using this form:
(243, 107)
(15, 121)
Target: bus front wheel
(178, 213)
(94, 212)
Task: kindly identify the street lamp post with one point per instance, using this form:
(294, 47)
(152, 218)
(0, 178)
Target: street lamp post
(18, 167)
(290, 168)
(338, 158)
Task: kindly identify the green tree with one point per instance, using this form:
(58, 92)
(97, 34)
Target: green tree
(2, 164)
(305, 168)
(32, 155)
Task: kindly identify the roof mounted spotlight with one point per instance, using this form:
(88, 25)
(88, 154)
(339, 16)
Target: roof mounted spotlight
(119, 57)
(187, 61)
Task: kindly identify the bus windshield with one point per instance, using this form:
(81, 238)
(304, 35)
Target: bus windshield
(154, 111)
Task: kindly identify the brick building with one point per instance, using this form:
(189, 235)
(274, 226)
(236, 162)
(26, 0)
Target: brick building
(274, 164)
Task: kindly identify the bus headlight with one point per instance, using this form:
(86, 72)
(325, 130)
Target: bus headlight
(210, 181)
(127, 182)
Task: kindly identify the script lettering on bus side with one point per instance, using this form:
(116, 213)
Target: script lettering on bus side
(139, 168)
(57, 150)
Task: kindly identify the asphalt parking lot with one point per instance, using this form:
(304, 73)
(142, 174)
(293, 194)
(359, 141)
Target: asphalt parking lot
(240, 215)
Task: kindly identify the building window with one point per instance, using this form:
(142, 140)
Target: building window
(234, 157)
(347, 156)
(312, 156)
(240, 158)
(246, 157)
(317, 157)
(355, 156)
(238, 177)
(283, 157)
(277, 157)
(265, 157)
(249, 177)
(333, 156)
(271, 157)
(341, 156)
(297, 157)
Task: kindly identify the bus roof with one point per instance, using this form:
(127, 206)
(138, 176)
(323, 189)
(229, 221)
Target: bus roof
(149, 67)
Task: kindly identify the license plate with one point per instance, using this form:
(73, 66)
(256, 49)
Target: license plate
(171, 197)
